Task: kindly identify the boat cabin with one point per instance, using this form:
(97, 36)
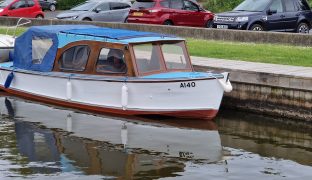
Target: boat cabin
(86, 49)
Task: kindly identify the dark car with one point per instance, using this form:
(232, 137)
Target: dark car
(267, 15)
(48, 4)
(170, 12)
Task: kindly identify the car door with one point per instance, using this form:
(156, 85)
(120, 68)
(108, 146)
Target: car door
(193, 17)
(291, 15)
(177, 14)
(275, 20)
(19, 9)
(118, 11)
(102, 12)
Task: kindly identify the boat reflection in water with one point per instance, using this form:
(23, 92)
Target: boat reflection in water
(113, 147)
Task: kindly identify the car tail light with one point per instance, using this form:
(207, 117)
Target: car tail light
(153, 11)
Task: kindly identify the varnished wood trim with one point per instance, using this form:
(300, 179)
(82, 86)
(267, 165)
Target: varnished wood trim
(95, 47)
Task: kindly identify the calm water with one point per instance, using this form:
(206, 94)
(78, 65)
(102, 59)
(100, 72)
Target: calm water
(43, 142)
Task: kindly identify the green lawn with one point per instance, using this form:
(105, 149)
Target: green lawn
(19, 30)
(266, 53)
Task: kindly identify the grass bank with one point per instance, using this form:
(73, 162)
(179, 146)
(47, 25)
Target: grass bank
(266, 53)
(3, 30)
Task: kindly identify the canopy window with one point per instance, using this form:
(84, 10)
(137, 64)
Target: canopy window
(75, 58)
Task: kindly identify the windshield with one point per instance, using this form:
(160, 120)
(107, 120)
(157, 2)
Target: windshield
(143, 5)
(253, 5)
(5, 3)
(85, 6)
(156, 57)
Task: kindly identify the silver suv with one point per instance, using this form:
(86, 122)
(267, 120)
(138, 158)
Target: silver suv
(107, 11)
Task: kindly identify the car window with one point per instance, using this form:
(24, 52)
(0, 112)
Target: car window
(116, 5)
(277, 5)
(253, 5)
(31, 3)
(289, 6)
(301, 5)
(5, 3)
(19, 4)
(111, 61)
(188, 5)
(176, 4)
(85, 6)
(143, 4)
(75, 58)
(165, 3)
(103, 7)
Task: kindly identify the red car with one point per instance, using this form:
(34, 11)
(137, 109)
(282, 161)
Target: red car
(170, 12)
(21, 8)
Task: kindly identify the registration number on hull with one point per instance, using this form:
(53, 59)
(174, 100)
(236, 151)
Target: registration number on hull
(188, 85)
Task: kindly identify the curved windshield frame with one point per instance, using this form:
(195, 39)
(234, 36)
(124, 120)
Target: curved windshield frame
(89, 5)
(151, 58)
(5, 3)
(253, 5)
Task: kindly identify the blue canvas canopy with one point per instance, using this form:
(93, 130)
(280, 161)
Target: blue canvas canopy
(23, 49)
(36, 49)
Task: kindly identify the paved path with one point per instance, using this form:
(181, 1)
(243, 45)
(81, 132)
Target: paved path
(296, 71)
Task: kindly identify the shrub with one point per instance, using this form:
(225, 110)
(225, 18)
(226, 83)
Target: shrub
(220, 5)
(67, 4)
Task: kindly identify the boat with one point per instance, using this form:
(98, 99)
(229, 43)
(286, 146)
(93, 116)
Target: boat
(107, 70)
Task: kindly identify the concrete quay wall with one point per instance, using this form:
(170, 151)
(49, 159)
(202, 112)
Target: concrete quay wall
(269, 94)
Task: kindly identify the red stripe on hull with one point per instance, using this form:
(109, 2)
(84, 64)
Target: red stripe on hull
(196, 114)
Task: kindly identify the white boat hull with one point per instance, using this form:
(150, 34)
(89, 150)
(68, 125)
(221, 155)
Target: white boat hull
(200, 98)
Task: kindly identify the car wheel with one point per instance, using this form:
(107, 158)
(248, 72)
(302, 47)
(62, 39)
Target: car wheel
(303, 28)
(256, 27)
(209, 24)
(86, 19)
(52, 7)
(168, 23)
(39, 16)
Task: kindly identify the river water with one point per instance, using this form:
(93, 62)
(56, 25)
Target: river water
(40, 141)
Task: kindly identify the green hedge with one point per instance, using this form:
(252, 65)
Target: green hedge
(220, 5)
(67, 4)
